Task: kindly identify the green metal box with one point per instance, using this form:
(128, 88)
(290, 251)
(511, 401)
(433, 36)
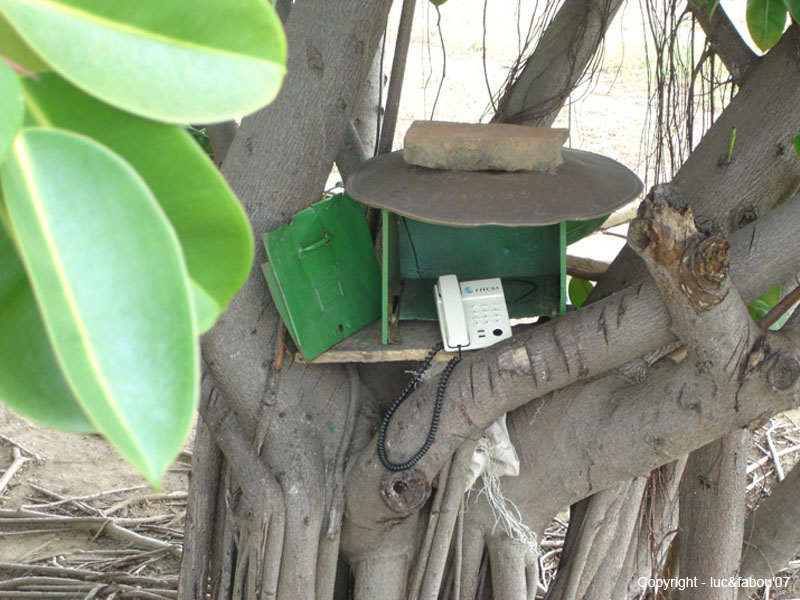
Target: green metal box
(531, 261)
(481, 224)
(322, 272)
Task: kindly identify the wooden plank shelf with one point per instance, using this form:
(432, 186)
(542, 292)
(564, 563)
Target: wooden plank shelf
(418, 337)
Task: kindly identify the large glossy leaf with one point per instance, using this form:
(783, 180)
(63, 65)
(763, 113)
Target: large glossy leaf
(111, 284)
(211, 225)
(12, 108)
(30, 380)
(793, 6)
(13, 48)
(766, 20)
(180, 61)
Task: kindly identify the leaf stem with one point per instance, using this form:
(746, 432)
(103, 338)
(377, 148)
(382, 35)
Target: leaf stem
(730, 148)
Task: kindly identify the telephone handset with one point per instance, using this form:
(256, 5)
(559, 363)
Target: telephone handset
(472, 314)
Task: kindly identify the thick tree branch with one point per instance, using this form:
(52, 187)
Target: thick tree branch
(710, 318)
(359, 142)
(558, 63)
(691, 271)
(352, 153)
(589, 430)
(724, 39)
(763, 170)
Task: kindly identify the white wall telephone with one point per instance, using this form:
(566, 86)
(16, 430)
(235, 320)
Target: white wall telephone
(472, 314)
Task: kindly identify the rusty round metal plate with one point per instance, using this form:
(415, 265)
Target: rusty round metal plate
(585, 186)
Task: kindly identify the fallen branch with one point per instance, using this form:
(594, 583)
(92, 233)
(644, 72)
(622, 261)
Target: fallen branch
(8, 440)
(763, 460)
(87, 575)
(96, 525)
(15, 466)
(179, 495)
(63, 500)
(773, 452)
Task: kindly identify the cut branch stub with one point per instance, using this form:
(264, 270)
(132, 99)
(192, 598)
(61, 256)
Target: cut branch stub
(665, 235)
(405, 491)
(663, 226)
(703, 269)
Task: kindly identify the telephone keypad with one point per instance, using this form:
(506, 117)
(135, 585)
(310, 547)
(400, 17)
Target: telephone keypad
(484, 309)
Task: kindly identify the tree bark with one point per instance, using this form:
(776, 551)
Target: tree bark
(771, 535)
(599, 527)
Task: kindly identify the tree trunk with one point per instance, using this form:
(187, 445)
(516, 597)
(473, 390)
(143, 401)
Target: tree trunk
(712, 517)
(275, 175)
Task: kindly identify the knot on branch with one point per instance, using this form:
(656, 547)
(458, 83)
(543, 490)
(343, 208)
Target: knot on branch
(703, 269)
(783, 372)
(405, 491)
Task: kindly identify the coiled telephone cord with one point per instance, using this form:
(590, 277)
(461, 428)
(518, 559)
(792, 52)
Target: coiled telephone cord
(437, 409)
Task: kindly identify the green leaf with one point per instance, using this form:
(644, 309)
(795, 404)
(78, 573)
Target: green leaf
(766, 20)
(711, 5)
(796, 143)
(12, 108)
(206, 310)
(759, 307)
(111, 285)
(577, 230)
(212, 227)
(793, 6)
(30, 380)
(579, 290)
(179, 61)
(201, 137)
(13, 48)
(772, 297)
